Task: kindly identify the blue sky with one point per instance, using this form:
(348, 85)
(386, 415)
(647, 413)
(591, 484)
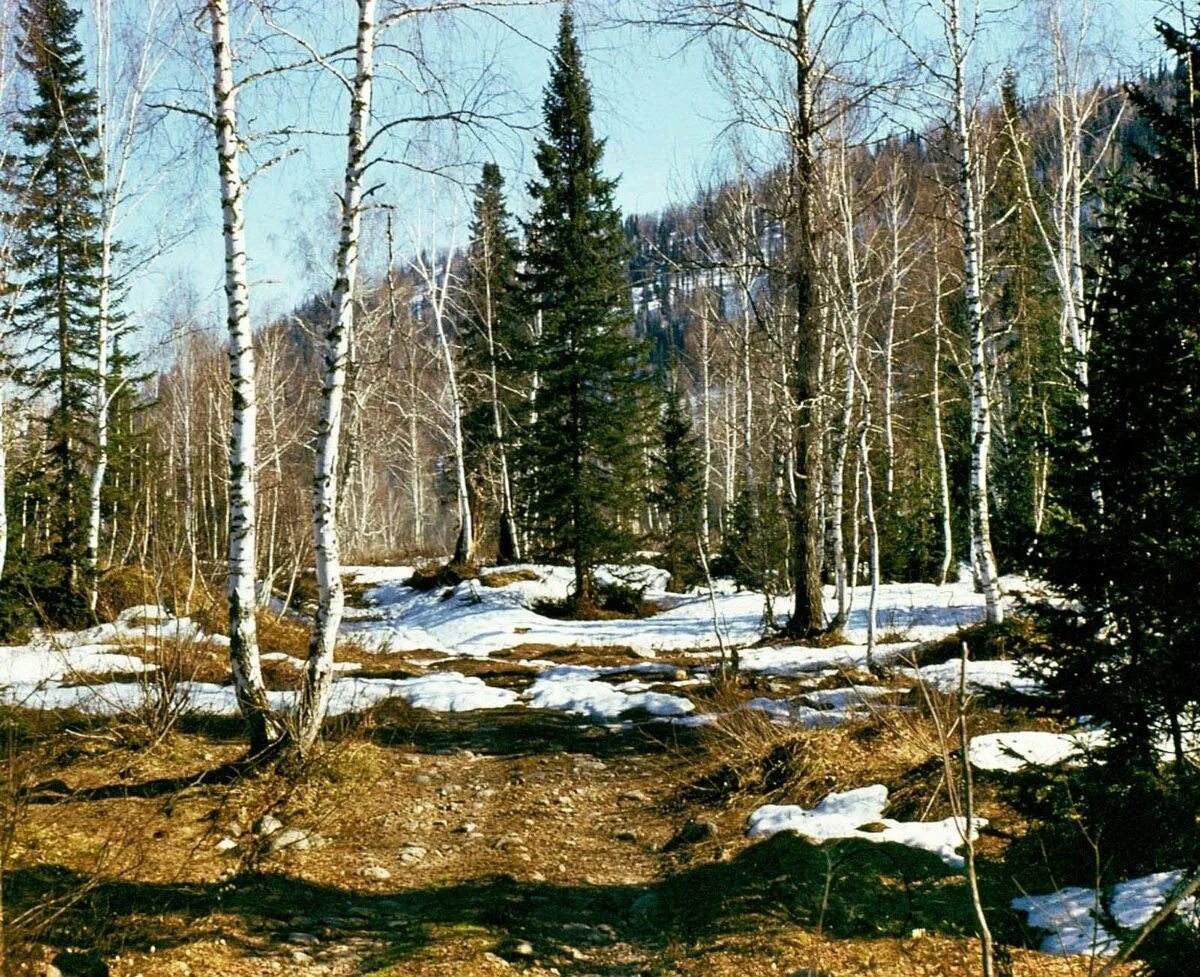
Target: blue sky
(655, 103)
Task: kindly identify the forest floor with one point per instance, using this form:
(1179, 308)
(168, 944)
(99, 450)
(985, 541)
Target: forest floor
(508, 839)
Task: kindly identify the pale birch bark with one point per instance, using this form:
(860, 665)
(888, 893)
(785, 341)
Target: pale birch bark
(1074, 101)
(438, 284)
(243, 629)
(848, 312)
(706, 425)
(509, 540)
(318, 674)
(981, 410)
(939, 442)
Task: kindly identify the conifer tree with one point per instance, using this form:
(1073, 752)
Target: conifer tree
(583, 445)
(1033, 390)
(492, 340)
(1128, 645)
(679, 493)
(58, 262)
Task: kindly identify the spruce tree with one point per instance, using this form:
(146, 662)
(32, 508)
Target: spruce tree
(585, 454)
(1128, 645)
(493, 338)
(57, 262)
(679, 493)
(1033, 392)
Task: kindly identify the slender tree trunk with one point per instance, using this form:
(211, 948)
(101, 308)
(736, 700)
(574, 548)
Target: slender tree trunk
(464, 548)
(3, 476)
(981, 409)
(939, 442)
(509, 540)
(318, 674)
(868, 495)
(808, 617)
(243, 630)
(706, 428)
(837, 489)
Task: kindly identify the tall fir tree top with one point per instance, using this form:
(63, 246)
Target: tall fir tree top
(53, 56)
(567, 103)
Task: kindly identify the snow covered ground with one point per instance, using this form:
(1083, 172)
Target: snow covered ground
(859, 814)
(474, 620)
(1013, 752)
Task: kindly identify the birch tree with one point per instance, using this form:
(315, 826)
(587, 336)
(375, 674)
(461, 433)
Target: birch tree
(959, 44)
(318, 679)
(240, 587)
(126, 66)
(10, 291)
(781, 60)
(438, 281)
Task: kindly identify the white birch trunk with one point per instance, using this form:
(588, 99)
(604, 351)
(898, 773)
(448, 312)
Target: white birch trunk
(981, 413)
(939, 443)
(318, 674)
(510, 542)
(706, 427)
(243, 630)
(464, 548)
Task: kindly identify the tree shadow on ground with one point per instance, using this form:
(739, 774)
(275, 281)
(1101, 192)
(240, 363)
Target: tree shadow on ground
(519, 731)
(847, 889)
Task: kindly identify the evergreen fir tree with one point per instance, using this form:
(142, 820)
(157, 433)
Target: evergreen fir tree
(1131, 564)
(57, 218)
(1032, 393)
(585, 454)
(493, 339)
(679, 493)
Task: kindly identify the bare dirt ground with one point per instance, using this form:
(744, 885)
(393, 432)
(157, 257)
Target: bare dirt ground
(513, 841)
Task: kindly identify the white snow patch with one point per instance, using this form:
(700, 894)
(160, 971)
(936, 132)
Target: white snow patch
(1072, 915)
(790, 713)
(31, 665)
(844, 814)
(992, 676)
(1069, 917)
(583, 696)
(1135, 901)
(1013, 752)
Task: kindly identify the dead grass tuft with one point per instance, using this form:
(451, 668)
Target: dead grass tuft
(503, 578)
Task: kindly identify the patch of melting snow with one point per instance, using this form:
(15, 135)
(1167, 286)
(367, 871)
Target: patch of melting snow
(1014, 752)
(1071, 916)
(561, 690)
(853, 696)
(792, 661)
(474, 620)
(299, 663)
(791, 713)
(845, 814)
(989, 676)
(34, 664)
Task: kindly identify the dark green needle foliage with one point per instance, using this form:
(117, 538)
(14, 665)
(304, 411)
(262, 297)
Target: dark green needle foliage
(57, 193)
(585, 455)
(679, 493)
(1127, 544)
